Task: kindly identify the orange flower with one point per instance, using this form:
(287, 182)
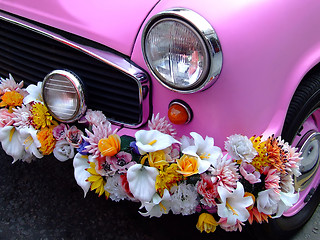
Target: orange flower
(276, 155)
(270, 154)
(206, 222)
(257, 216)
(11, 99)
(47, 140)
(188, 165)
(110, 146)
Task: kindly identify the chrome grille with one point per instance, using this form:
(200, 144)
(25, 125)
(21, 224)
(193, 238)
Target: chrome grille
(30, 54)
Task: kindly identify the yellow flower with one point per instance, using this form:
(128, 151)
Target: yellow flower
(206, 222)
(41, 116)
(168, 178)
(247, 194)
(157, 159)
(47, 140)
(11, 99)
(269, 154)
(188, 165)
(110, 146)
(97, 181)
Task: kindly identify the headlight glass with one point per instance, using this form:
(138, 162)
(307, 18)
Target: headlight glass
(63, 95)
(182, 50)
(176, 53)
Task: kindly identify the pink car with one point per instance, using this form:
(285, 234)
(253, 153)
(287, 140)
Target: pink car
(214, 67)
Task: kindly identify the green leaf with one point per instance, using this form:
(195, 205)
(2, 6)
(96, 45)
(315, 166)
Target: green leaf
(125, 143)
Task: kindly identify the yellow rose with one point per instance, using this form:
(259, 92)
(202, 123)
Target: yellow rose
(157, 159)
(188, 165)
(206, 222)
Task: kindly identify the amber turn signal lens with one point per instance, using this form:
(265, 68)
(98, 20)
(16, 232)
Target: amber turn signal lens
(178, 114)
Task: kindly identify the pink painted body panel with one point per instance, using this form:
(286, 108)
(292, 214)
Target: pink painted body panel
(265, 55)
(112, 23)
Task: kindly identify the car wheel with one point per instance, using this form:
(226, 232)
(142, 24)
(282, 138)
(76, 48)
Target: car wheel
(301, 129)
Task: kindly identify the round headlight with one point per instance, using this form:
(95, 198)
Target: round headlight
(63, 95)
(182, 50)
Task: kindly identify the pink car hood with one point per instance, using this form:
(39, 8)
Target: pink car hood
(112, 23)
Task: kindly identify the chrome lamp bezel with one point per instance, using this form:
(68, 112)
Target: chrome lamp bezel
(208, 35)
(78, 86)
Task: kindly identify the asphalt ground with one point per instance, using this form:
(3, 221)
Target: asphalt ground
(42, 200)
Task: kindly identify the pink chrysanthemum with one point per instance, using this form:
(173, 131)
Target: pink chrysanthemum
(225, 173)
(286, 183)
(22, 116)
(272, 179)
(94, 118)
(207, 190)
(98, 132)
(294, 159)
(162, 125)
(5, 117)
(9, 84)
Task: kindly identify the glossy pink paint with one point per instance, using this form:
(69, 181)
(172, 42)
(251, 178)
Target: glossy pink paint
(112, 23)
(265, 55)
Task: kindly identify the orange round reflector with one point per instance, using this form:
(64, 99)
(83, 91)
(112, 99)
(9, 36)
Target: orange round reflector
(178, 114)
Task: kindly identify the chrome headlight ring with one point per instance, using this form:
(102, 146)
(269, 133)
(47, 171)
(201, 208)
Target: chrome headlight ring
(63, 95)
(177, 41)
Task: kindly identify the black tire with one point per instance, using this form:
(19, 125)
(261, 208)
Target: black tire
(305, 102)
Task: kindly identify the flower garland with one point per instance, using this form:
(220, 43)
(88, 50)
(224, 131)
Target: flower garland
(251, 181)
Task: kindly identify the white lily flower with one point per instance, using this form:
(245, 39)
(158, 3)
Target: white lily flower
(28, 138)
(158, 205)
(142, 181)
(186, 142)
(11, 142)
(153, 140)
(233, 204)
(204, 150)
(35, 94)
(80, 164)
(287, 200)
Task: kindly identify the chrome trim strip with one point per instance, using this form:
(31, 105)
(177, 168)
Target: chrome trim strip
(118, 62)
(208, 34)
